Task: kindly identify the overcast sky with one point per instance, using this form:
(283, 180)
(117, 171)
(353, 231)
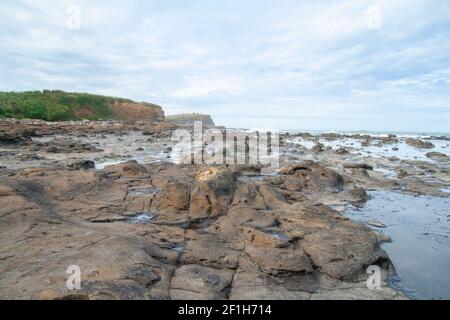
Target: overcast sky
(325, 65)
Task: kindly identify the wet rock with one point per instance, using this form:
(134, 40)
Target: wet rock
(81, 164)
(13, 138)
(318, 147)
(365, 143)
(438, 156)
(382, 237)
(377, 224)
(419, 143)
(357, 195)
(390, 139)
(401, 173)
(331, 136)
(364, 166)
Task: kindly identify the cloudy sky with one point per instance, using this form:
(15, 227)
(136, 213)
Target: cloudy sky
(325, 65)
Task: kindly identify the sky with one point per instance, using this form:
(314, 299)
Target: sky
(380, 65)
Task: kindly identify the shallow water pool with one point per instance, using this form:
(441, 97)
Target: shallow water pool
(419, 227)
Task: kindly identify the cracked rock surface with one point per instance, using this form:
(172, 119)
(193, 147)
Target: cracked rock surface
(165, 231)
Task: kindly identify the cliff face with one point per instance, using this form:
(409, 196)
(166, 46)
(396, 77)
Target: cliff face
(56, 105)
(133, 111)
(188, 119)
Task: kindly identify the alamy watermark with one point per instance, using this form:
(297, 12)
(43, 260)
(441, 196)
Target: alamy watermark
(74, 280)
(216, 146)
(73, 21)
(374, 280)
(373, 17)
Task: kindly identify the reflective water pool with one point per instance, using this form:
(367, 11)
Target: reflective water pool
(419, 227)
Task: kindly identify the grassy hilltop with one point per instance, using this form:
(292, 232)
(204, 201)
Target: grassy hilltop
(55, 105)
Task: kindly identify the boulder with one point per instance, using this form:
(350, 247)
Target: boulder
(311, 176)
(212, 192)
(419, 143)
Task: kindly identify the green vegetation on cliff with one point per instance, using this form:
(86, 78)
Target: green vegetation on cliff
(56, 105)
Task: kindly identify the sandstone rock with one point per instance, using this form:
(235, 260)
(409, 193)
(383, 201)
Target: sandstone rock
(132, 111)
(279, 260)
(254, 286)
(174, 196)
(212, 193)
(343, 251)
(211, 251)
(132, 168)
(158, 129)
(312, 177)
(359, 294)
(192, 282)
(210, 236)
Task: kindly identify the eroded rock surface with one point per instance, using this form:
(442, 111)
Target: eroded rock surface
(163, 231)
(151, 229)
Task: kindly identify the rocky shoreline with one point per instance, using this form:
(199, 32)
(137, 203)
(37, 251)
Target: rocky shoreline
(108, 197)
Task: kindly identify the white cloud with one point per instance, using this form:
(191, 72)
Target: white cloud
(212, 84)
(283, 62)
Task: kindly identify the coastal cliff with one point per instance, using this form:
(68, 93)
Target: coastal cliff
(55, 105)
